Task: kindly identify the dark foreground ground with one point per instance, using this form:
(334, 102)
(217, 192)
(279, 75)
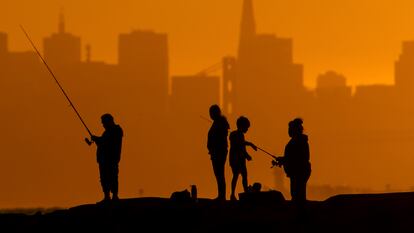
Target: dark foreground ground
(344, 213)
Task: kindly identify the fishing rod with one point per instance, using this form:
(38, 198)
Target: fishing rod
(273, 156)
(261, 149)
(57, 82)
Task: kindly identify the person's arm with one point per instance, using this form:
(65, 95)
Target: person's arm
(306, 151)
(210, 141)
(248, 157)
(119, 146)
(209, 144)
(251, 145)
(243, 144)
(93, 139)
(98, 140)
(280, 160)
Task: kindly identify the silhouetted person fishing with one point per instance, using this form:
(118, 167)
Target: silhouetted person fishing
(296, 161)
(109, 144)
(239, 155)
(108, 155)
(218, 147)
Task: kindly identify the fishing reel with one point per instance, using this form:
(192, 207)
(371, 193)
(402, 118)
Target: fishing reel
(277, 162)
(89, 142)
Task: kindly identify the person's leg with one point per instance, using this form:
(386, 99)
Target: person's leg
(244, 178)
(302, 190)
(114, 181)
(294, 189)
(219, 167)
(103, 176)
(300, 196)
(234, 184)
(221, 178)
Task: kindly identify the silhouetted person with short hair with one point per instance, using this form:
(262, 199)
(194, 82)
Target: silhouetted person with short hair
(239, 155)
(218, 147)
(108, 155)
(296, 161)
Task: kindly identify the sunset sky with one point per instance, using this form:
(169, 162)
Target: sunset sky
(360, 39)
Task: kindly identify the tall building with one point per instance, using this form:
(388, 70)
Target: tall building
(247, 29)
(143, 58)
(404, 69)
(266, 72)
(3, 49)
(229, 75)
(331, 88)
(332, 98)
(62, 49)
(3, 43)
(263, 83)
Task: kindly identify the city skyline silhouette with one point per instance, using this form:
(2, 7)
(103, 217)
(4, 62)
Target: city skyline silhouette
(355, 134)
(355, 39)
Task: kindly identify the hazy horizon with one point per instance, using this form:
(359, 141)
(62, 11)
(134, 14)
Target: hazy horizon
(361, 142)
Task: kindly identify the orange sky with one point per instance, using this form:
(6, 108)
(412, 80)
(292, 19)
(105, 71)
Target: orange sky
(360, 39)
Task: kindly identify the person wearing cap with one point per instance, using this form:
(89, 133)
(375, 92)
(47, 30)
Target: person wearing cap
(108, 155)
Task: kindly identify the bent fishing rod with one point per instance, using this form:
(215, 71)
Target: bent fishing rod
(271, 155)
(57, 82)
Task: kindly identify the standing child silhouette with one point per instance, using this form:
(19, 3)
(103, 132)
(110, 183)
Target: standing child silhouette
(239, 155)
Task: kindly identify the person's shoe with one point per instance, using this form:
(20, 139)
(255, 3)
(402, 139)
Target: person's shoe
(233, 198)
(104, 201)
(220, 199)
(115, 198)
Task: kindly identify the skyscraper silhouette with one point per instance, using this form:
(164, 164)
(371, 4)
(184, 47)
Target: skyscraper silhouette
(62, 49)
(247, 29)
(404, 71)
(3, 44)
(263, 77)
(143, 59)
